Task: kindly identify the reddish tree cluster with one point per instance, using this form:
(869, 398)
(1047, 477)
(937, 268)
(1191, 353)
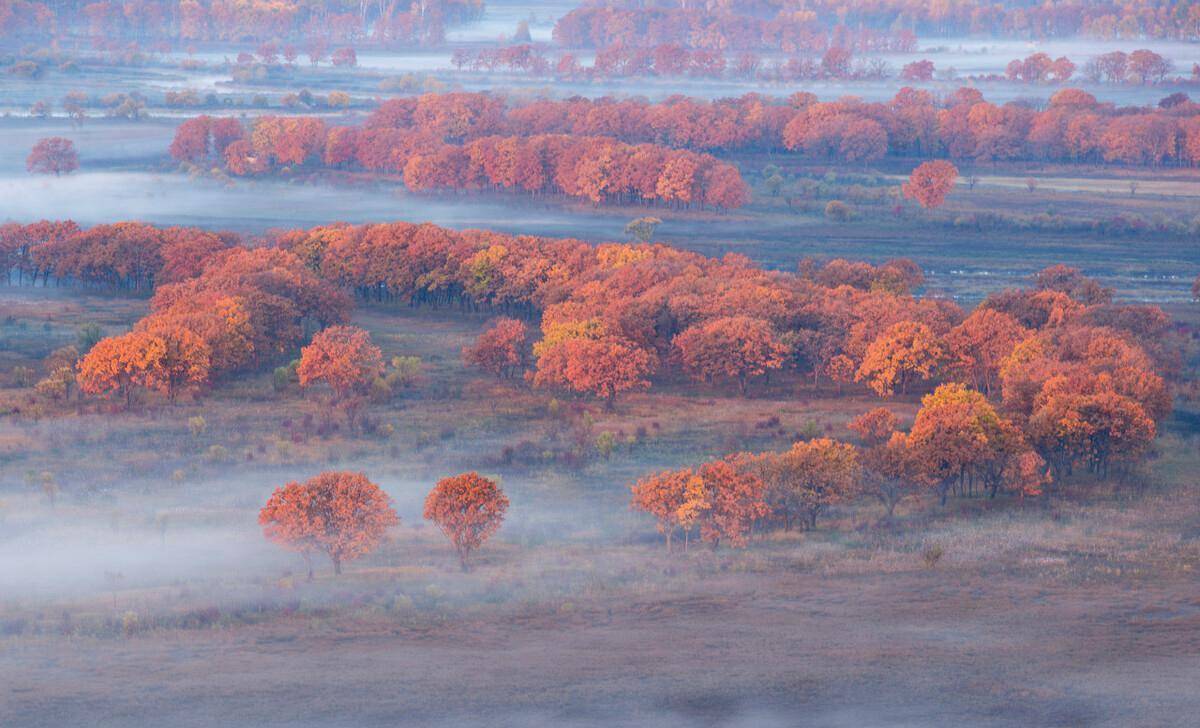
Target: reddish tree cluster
(121, 256)
(441, 148)
(586, 147)
(205, 137)
(794, 25)
(110, 22)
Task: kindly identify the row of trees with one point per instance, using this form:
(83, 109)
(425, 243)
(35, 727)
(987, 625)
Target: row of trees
(409, 22)
(797, 25)
(346, 516)
(962, 126)
(598, 169)
(127, 256)
(1141, 66)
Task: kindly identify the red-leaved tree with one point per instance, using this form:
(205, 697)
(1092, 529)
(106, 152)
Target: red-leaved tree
(341, 514)
(469, 508)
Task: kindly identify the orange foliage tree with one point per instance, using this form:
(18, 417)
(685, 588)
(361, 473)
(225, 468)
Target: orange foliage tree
(875, 427)
(930, 182)
(723, 502)
(959, 439)
(808, 478)
(892, 470)
(1084, 419)
(735, 346)
(340, 513)
(468, 508)
(344, 358)
(906, 352)
(980, 343)
(185, 361)
(52, 155)
(603, 366)
(118, 364)
(500, 350)
(662, 495)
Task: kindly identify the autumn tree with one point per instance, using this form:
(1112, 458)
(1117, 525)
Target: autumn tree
(723, 502)
(959, 439)
(930, 182)
(500, 349)
(662, 495)
(59, 367)
(341, 514)
(643, 228)
(1083, 419)
(603, 366)
(908, 351)
(806, 479)
(52, 155)
(978, 345)
(468, 508)
(115, 366)
(891, 470)
(875, 427)
(735, 346)
(185, 361)
(343, 358)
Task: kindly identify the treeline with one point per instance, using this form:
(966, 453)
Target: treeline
(604, 27)
(794, 25)
(963, 125)
(405, 22)
(446, 149)
(127, 256)
(672, 59)
(1075, 377)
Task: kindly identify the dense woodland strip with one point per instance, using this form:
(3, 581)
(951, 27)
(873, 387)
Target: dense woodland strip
(314, 23)
(609, 150)
(805, 25)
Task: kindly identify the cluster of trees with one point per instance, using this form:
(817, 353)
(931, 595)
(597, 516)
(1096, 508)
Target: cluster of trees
(672, 59)
(126, 256)
(599, 25)
(242, 309)
(1040, 384)
(474, 139)
(345, 516)
(1078, 376)
(446, 149)
(416, 21)
(882, 25)
(1142, 66)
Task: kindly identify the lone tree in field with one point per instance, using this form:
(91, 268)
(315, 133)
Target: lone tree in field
(344, 358)
(643, 228)
(930, 182)
(341, 514)
(468, 508)
(52, 155)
